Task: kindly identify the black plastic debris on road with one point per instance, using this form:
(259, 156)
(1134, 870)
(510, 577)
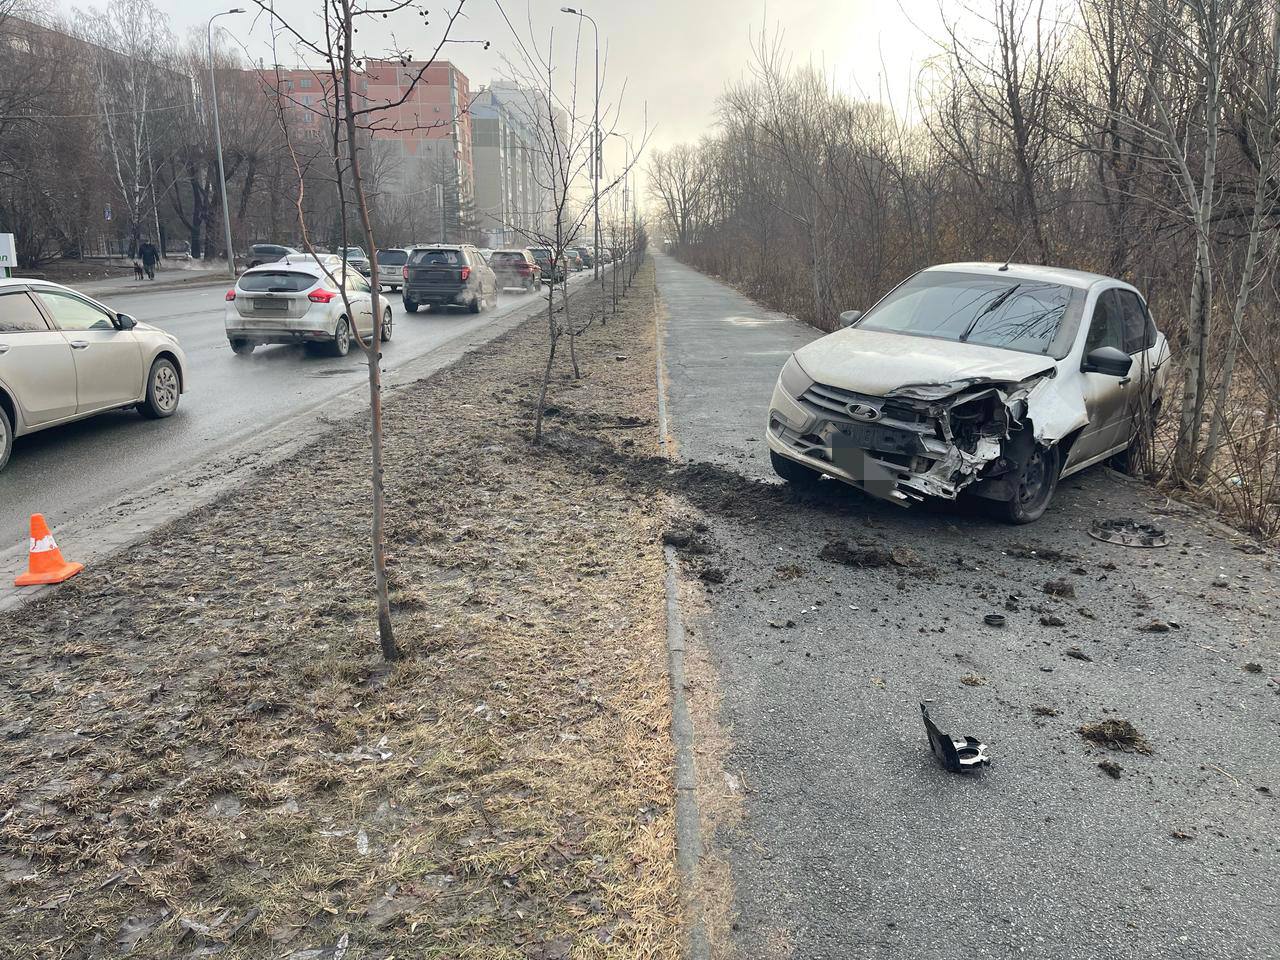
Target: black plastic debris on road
(1127, 532)
(958, 754)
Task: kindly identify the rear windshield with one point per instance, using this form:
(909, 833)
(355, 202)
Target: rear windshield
(436, 258)
(505, 256)
(1006, 312)
(277, 281)
(353, 252)
(393, 258)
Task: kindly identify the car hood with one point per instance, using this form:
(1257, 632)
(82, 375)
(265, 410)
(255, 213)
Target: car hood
(879, 363)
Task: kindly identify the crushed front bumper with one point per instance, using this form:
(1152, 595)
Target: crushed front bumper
(896, 450)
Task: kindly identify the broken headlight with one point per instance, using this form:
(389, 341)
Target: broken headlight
(793, 378)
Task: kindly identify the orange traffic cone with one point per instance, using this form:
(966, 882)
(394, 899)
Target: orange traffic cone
(46, 564)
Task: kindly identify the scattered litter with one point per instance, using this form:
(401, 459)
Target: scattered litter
(1253, 668)
(994, 620)
(1024, 552)
(973, 680)
(1040, 710)
(1156, 626)
(1051, 620)
(1076, 653)
(1181, 835)
(1115, 734)
(1110, 768)
(958, 754)
(1127, 532)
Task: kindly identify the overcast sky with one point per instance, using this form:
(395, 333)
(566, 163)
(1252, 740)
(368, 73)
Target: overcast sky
(675, 55)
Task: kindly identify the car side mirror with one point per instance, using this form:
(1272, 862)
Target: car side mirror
(849, 317)
(125, 322)
(1111, 361)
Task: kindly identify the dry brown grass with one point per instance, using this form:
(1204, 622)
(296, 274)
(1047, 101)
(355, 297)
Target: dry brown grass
(200, 748)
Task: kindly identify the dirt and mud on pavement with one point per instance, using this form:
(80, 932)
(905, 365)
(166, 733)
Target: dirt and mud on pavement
(1128, 697)
(202, 754)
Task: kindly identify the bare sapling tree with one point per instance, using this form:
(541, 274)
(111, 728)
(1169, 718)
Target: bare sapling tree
(351, 122)
(562, 156)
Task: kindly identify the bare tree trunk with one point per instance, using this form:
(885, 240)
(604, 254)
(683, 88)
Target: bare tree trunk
(373, 354)
(553, 335)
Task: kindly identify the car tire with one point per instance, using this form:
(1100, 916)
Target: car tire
(386, 325)
(6, 438)
(1034, 486)
(242, 348)
(164, 387)
(340, 346)
(796, 474)
(476, 304)
(410, 306)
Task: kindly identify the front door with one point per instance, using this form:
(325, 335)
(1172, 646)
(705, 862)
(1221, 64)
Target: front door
(360, 294)
(35, 362)
(1106, 398)
(108, 360)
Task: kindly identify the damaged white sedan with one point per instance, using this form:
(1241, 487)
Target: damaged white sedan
(992, 378)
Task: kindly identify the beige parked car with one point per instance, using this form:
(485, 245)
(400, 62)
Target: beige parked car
(64, 356)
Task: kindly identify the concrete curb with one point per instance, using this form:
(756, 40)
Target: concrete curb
(136, 287)
(688, 821)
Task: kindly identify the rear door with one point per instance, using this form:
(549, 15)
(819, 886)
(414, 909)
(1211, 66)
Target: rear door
(1105, 397)
(108, 360)
(360, 295)
(35, 362)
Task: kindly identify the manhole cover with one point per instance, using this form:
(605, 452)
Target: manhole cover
(1128, 533)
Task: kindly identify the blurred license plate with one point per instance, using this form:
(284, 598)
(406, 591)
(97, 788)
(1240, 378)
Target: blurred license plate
(267, 304)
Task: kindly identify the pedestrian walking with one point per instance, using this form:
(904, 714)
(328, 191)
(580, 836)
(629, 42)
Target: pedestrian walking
(150, 256)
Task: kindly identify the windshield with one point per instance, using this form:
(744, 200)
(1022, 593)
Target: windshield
(1014, 314)
(393, 258)
(277, 281)
(506, 256)
(352, 252)
(437, 258)
(540, 253)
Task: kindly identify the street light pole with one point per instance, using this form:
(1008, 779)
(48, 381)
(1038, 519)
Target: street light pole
(595, 140)
(217, 135)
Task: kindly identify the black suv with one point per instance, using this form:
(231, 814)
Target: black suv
(448, 275)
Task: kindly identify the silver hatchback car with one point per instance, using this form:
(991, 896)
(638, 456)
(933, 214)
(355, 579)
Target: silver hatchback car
(64, 356)
(294, 301)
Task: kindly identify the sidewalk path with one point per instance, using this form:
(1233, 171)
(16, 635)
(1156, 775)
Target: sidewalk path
(852, 841)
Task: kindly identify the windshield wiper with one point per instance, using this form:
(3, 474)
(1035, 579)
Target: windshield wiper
(993, 305)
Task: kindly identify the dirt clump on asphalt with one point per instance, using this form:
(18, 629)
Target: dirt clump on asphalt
(1115, 734)
(202, 752)
(867, 555)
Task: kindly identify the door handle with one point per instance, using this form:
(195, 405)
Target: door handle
(4, 348)
(79, 344)
(1124, 380)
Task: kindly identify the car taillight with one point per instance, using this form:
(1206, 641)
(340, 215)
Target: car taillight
(524, 267)
(321, 296)
(404, 273)
(231, 294)
(466, 272)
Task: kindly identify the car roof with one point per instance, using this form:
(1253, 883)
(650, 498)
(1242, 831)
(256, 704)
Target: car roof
(439, 246)
(1031, 271)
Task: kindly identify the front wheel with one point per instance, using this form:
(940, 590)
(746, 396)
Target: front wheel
(163, 389)
(341, 343)
(796, 474)
(1034, 486)
(6, 438)
(410, 307)
(386, 325)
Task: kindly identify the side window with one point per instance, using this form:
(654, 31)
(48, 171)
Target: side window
(1137, 337)
(1107, 327)
(357, 283)
(73, 314)
(19, 314)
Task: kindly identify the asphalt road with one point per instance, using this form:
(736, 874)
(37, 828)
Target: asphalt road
(72, 470)
(851, 840)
